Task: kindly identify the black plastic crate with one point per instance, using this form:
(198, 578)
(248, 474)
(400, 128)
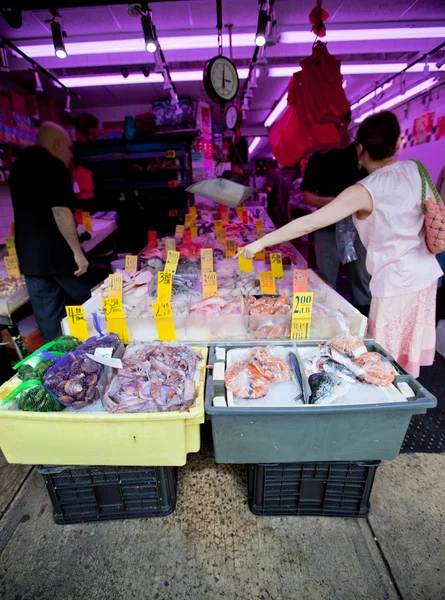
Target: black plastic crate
(323, 489)
(81, 494)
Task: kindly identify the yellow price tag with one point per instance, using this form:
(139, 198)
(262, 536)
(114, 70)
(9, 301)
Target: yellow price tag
(245, 264)
(115, 285)
(165, 325)
(172, 261)
(206, 260)
(10, 245)
(77, 322)
(209, 285)
(260, 233)
(276, 262)
(302, 305)
(300, 281)
(267, 283)
(300, 329)
(170, 245)
(179, 232)
(12, 266)
(188, 220)
(165, 281)
(86, 219)
(221, 236)
(193, 212)
(218, 224)
(131, 263)
(259, 224)
(115, 318)
(225, 218)
(194, 230)
(170, 154)
(230, 248)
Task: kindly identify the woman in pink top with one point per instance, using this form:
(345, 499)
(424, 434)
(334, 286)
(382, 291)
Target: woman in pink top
(388, 215)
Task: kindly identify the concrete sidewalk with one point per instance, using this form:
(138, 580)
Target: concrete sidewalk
(213, 548)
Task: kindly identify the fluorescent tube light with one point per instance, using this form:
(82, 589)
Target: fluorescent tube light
(253, 144)
(361, 69)
(361, 35)
(372, 95)
(282, 104)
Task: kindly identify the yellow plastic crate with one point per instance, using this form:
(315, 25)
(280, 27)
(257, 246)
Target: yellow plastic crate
(139, 439)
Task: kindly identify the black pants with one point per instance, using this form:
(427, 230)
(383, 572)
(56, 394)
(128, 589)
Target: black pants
(50, 294)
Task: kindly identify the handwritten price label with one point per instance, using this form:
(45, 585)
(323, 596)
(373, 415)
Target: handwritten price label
(218, 225)
(170, 245)
(276, 262)
(115, 285)
(77, 322)
(259, 224)
(209, 285)
(221, 236)
(302, 305)
(172, 261)
(225, 218)
(206, 260)
(300, 281)
(12, 266)
(10, 245)
(165, 325)
(262, 254)
(239, 211)
(188, 220)
(179, 232)
(86, 218)
(194, 230)
(187, 236)
(245, 217)
(223, 209)
(131, 263)
(115, 318)
(300, 330)
(165, 280)
(245, 264)
(152, 239)
(193, 212)
(267, 283)
(230, 248)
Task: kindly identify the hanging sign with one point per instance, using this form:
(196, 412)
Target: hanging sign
(300, 280)
(206, 260)
(172, 261)
(115, 282)
(267, 283)
(77, 322)
(115, 318)
(165, 281)
(230, 248)
(276, 262)
(152, 239)
(165, 325)
(170, 244)
(209, 285)
(131, 263)
(245, 264)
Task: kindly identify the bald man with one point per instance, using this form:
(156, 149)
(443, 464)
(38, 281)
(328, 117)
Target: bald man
(48, 247)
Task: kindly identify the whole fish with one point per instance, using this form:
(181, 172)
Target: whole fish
(322, 387)
(338, 370)
(296, 375)
(342, 359)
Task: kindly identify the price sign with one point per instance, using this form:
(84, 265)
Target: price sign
(86, 218)
(170, 154)
(77, 322)
(188, 220)
(218, 225)
(221, 236)
(115, 318)
(259, 224)
(10, 245)
(152, 239)
(173, 183)
(245, 217)
(165, 281)
(209, 285)
(115, 282)
(300, 330)
(300, 280)
(223, 209)
(170, 244)
(12, 266)
(262, 254)
(187, 236)
(165, 325)
(179, 232)
(276, 262)
(267, 283)
(194, 230)
(302, 305)
(131, 263)
(193, 212)
(230, 248)
(239, 211)
(245, 264)
(206, 260)
(172, 261)
(225, 218)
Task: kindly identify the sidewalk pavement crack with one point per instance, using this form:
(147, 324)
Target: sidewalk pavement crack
(385, 561)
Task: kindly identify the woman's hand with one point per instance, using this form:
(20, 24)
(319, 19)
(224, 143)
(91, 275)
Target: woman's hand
(250, 250)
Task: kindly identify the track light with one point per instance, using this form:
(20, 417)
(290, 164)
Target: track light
(68, 104)
(167, 83)
(260, 37)
(261, 60)
(245, 105)
(37, 80)
(4, 64)
(159, 65)
(125, 72)
(174, 97)
(58, 35)
(248, 94)
(145, 71)
(253, 85)
(149, 33)
(178, 110)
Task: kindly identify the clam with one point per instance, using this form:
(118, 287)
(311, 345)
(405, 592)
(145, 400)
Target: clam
(73, 387)
(89, 366)
(66, 400)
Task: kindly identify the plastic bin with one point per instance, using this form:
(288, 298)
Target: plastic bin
(86, 494)
(322, 489)
(313, 433)
(85, 438)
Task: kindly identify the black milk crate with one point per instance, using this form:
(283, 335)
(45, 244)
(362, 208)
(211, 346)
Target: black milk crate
(323, 489)
(81, 494)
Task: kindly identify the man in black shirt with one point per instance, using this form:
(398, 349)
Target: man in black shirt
(326, 176)
(48, 248)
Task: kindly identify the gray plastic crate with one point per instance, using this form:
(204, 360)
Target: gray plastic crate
(313, 433)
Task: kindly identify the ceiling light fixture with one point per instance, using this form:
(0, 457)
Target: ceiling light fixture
(363, 69)
(167, 83)
(410, 93)
(149, 33)
(260, 36)
(159, 65)
(261, 60)
(282, 104)
(145, 71)
(239, 40)
(253, 85)
(248, 94)
(125, 72)
(254, 143)
(37, 80)
(58, 35)
(372, 95)
(245, 105)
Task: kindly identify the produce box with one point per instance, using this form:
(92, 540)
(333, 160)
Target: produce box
(84, 438)
(252, 433)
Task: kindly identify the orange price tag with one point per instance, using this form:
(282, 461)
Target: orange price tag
(86, 218)
(152, 239)
(209, 285)
(179, 232)
(77, 322)
(170, 154)
(194, 230)
(165, 325)
(187, 236)
(259, 224)
(115, 318)
(188, 220)
(12, 266)
(115, 282)
(221, 236)
(170, 244)
(245, 217)
(300, 281)
(131, 263)
(206, 260)
(267, 283)
(230, 248)
(218, 224)
(225, 218)
(193, 212)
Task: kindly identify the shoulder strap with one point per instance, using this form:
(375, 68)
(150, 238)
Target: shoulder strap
(426, 180)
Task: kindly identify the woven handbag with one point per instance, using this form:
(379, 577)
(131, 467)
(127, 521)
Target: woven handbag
(434, 211)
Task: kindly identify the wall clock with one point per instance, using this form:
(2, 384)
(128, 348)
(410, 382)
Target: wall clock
(221, 80)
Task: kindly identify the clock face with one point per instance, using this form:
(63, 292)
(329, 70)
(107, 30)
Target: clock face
(223, 78)
(232, 117)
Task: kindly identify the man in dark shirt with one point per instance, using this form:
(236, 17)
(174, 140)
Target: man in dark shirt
(278, 188)
(326, 176)
(48, 248)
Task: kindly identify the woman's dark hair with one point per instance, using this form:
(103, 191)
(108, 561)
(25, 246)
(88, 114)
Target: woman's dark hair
(379, 134)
